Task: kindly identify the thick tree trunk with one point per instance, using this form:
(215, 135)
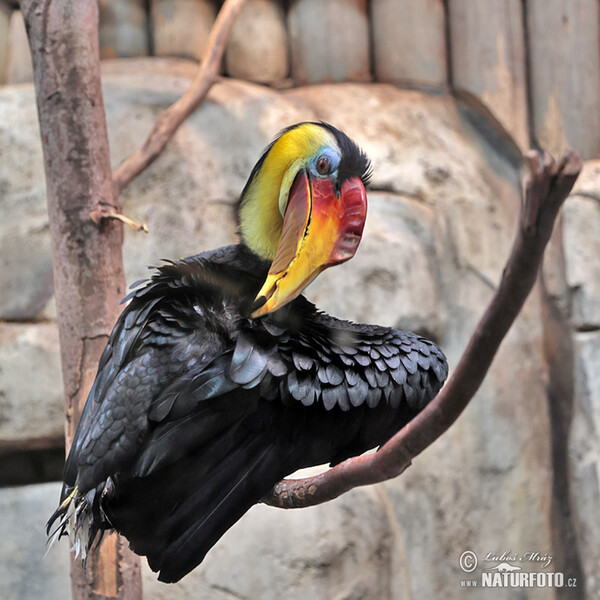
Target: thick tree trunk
(88, 266)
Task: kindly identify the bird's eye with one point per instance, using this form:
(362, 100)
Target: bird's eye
(323, 165)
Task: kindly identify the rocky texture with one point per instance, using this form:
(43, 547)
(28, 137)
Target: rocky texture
(582, 240)
(5, 12)
(26, 572)
(25, 254)
(581, 227)
(123, 28)
(409, 42)
(257, 49)
(329, 41)
(479, 49)
(488, 59)
(585, 455)
(444, 202)
(565, 74)
(181, 27)
(18, 68)
(31, 407)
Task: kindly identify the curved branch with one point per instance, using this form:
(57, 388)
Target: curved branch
(168, 123)
(546, 188)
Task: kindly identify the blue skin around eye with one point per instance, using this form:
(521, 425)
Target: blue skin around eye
(334, 160)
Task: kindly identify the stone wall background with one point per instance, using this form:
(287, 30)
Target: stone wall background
(464, 91)
(535, 64)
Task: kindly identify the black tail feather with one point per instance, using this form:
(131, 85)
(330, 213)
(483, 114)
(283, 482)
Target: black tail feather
(175, 515)
(189, 549)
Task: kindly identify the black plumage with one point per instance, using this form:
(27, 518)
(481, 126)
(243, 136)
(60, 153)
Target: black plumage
(198, 409)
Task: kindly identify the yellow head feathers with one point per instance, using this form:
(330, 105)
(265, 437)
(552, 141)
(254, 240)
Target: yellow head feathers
(264, 198)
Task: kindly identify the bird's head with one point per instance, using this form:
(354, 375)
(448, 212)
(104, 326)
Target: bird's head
(303, 208)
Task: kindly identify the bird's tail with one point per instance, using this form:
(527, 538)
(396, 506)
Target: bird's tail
(175, 515)
(74, 518)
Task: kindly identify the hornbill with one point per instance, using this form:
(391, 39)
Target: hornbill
(219, 378)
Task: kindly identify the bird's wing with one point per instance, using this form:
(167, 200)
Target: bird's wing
(164, 340)
(338, 364)
(323, 362)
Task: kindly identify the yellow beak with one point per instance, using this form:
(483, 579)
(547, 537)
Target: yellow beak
(320, 229)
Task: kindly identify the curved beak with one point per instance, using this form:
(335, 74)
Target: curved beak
(320, 229)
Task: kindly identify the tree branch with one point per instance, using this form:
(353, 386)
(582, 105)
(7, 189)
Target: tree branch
(167, 124)
(546, 188)
(110, 213)
(87, 261)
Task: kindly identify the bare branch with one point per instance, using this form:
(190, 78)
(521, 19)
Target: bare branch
(546, 188)
(87, 260)
(167, 124)
(109, 213)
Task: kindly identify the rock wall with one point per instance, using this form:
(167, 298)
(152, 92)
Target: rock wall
(443, 203)
(536, 68)
(581, 231)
